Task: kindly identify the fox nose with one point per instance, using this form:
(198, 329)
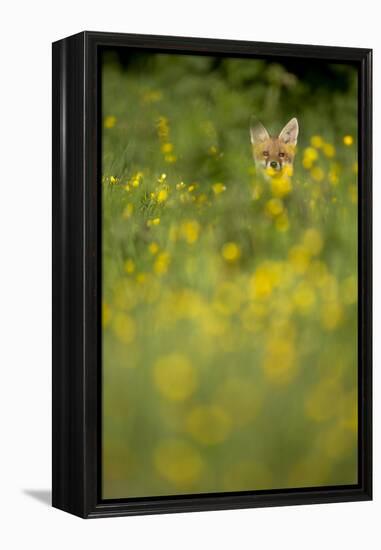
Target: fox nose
(273, 164)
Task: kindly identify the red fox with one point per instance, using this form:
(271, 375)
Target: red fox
(275, 155)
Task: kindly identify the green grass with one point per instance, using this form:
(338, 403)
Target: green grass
(230, 306)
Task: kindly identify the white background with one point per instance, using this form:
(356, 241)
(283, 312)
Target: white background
(27, 29)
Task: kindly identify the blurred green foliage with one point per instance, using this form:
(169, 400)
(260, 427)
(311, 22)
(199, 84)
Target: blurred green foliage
(229, 299)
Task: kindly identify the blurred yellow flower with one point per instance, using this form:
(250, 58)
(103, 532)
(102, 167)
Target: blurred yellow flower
(162, 127)
(153, 248)
(180, 185)
(310, 155)
(231, 252)
(304, 297)
(167, 148)
(178, 462)
(274, 207)
(329, 150)
(175, 377)
(190, 230)
(113, 180)
(348, 140)
(162, 195)
(170, 158)
(265, 278)
(280, 187)
(208, 424)
(154, 221)
(282, 222)
(218, 188)
(162, 263)
(129, 266)
(317, 141)
(124, 327)
(110, 121)
(317, 173)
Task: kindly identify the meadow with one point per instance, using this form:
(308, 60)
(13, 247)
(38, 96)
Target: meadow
(229, 299)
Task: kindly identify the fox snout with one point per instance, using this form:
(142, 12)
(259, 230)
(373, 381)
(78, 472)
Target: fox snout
(276, 152)
(275, 164)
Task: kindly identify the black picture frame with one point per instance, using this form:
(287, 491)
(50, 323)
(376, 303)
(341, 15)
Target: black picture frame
(77, 276)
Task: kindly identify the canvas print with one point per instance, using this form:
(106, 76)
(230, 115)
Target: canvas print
(229, 274)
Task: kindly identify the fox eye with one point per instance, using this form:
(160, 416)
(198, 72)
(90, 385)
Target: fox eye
(265, 153)
(281, 154)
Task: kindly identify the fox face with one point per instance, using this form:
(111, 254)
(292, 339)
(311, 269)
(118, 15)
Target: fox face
(274, 153)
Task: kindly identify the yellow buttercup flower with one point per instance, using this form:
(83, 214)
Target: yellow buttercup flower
(162, 195)
(231, 252)
(129, 266)
(274, 207)
(317, 173)
(162, 263)
(218, 188)
(110, 121)
(190, 230)
(280, 187)
(310, 155)
(154, 221)
(282, 222)
(153, 248)
(317, 141)
(167, 148)
(170, 158)
(329, 150)
(304, 298)
(348, 140)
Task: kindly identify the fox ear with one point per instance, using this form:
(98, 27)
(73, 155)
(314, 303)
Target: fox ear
(258, 132)
(289, 134)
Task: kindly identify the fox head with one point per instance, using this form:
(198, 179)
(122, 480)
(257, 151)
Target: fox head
(274, 153)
